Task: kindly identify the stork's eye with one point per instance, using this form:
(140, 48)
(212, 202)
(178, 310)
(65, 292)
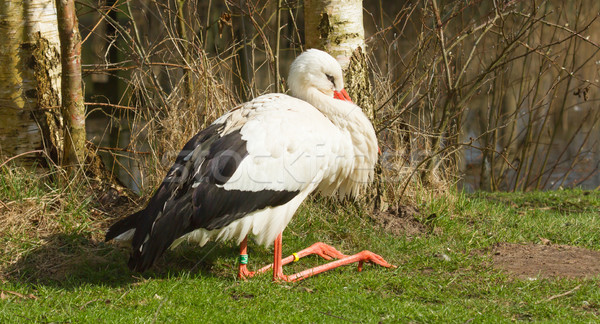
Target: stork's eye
(330, 78)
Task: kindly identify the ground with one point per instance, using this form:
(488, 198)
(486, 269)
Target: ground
(521, 260)
(527, 261)
(461, 258)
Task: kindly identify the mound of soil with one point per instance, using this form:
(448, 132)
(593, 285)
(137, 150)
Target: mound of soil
(546, 261)
(401, 220)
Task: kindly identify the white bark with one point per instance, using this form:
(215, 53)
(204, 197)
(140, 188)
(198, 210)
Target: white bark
(30, 76)
(335, 26)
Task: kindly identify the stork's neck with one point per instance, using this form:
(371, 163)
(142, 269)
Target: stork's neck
(350, 119)
(340, 112)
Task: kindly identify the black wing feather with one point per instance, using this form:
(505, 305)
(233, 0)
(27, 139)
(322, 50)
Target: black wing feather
(144, 218)
(209, 160)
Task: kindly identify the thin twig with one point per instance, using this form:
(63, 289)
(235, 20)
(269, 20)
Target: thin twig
(105, 104)
(21, 154)
(560, 295)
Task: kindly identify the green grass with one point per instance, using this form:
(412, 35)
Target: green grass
(441, 274)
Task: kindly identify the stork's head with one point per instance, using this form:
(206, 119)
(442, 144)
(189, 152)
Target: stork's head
(315, 69)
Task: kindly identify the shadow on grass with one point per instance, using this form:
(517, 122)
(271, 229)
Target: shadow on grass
(72, 260)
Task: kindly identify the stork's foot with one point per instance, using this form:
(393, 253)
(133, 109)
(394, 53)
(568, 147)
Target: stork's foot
(244, 273)
(325, 251)
(371, 257)
(364, 256)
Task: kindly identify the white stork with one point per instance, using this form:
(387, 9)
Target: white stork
(249, 171)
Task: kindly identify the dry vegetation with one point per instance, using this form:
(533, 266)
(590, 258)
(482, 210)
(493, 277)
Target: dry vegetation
(510, 90)
(504, 93)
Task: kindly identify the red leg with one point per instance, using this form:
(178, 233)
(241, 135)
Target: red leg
(243, 272)
(325, 251)
(361, 257)
(277, 262)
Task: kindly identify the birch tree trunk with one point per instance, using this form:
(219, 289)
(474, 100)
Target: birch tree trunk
(73, 109)
(336, 26)
(29, 79)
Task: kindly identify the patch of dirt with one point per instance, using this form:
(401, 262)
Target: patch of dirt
(239, 295)
(546, 261)
(401, 221)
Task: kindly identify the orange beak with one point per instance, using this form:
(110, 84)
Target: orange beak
(342, 95)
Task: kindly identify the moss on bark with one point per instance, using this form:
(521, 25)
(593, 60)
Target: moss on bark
(45, 58)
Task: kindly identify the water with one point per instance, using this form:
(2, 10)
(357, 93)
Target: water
(584, 172)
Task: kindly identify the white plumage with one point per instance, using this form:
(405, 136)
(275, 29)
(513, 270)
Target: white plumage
(258, 163)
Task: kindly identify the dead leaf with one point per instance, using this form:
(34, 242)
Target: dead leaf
(106, 301)
(225, 19)
(308, 290)
(14, 293)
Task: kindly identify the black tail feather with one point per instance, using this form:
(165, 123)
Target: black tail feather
(155, 234)
(123, 225)
(138, 261)
(142, 259)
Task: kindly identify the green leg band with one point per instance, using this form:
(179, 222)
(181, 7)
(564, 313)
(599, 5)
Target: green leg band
(243, 258)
